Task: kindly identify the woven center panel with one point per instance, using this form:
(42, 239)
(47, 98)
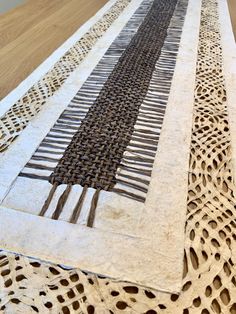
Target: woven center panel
(94, 172)
(96, 150)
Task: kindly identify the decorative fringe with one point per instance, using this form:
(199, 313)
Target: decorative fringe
(48, 200)
(93, 207)
(77, 210)
(61, 202)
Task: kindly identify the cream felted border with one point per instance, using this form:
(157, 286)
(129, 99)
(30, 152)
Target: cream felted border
(146, 259)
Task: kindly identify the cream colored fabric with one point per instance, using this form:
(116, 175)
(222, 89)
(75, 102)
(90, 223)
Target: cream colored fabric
(209, 283)
(131, 249)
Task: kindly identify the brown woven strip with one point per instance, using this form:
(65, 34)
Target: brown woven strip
(97, 148)
(61, 202)
(76, 212)
(92, 211)
(48, 200)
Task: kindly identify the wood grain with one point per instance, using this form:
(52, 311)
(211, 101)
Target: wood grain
(32, 31)
(232, 10)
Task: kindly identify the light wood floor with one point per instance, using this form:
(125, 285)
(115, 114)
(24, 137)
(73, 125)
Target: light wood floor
(6, 5)
(31, 32)
(232, 10)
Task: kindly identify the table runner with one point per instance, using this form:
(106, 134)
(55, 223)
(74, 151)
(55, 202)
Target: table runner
(119, 110)
(209, 273)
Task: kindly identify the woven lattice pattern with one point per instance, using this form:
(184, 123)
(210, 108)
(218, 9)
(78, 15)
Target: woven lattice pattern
(209, 283)
(97, 128)
(19, 115)
(96, 150)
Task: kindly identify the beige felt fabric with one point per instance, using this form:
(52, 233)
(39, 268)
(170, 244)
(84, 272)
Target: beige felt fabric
(158, 234)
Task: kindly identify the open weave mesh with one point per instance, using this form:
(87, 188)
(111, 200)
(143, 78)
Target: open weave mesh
(209, 280)
(18, 116)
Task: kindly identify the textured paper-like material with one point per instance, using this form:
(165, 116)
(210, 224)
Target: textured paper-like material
(140, 243)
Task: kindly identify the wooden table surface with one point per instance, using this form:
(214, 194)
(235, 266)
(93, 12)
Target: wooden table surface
(232, 10)
(32, 31)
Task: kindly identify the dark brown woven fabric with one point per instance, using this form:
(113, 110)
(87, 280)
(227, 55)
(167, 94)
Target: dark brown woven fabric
(95, 152)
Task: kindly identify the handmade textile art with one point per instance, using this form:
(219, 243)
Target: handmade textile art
(112, 141)
(209, 282)
(95, 180)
